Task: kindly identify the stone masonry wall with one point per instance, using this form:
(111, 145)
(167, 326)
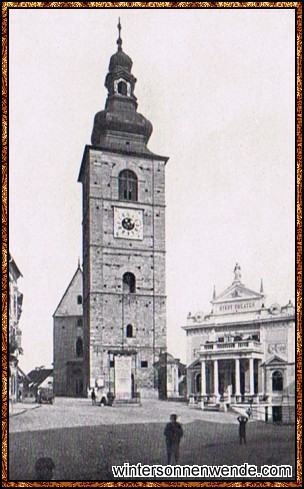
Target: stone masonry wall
(106, 310)
(66, 332)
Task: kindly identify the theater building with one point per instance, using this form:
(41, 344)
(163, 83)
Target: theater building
(243, 353)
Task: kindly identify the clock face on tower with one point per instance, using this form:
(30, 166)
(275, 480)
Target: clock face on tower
(128, 223)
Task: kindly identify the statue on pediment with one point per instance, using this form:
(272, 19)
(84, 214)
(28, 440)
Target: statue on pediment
(237, 273)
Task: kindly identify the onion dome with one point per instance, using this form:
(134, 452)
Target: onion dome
(120, 60)
(127, 123)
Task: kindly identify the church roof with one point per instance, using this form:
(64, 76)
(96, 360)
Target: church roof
(68, 305)
(37, 376)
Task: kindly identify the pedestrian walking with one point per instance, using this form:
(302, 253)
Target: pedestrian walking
(103, 398)
(249, 411)
(44, 467)
(93, 397)
(173, 433)
(242, 428)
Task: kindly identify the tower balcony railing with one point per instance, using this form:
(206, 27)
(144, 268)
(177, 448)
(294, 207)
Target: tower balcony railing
(243, 345)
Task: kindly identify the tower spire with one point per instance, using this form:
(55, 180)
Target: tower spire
(119, 40)
(261, 287)
(120, 114)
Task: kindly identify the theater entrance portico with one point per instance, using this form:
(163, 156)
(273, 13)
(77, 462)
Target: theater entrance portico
(242, 353)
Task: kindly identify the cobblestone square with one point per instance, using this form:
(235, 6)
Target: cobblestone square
(85, 441)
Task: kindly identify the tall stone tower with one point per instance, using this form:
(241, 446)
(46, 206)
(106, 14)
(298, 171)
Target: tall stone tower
(124, 297)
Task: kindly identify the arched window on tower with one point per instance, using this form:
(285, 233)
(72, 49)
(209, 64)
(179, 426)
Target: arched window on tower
(129, 331)
(277, 381)
(128, 283)
(128, 183)
(79, 347)
(122, 88)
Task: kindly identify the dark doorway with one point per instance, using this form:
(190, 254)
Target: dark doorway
(162, 382)
(242, 382)
(277, 414)
(78, 387)
(132, 386)
(198, 384)
(79, 347)
(256, 376)
(232, 381)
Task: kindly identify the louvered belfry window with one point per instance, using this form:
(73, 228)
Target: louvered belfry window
(127, 185)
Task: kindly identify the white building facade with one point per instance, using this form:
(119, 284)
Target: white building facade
(242, 354)
(15, 333)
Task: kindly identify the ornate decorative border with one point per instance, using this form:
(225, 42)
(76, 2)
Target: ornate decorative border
(10, 5)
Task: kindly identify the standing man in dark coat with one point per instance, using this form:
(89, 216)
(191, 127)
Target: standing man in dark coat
(173, 433)
(242, 428)
(93, 397)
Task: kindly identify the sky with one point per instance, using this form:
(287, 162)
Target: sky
(218, 86)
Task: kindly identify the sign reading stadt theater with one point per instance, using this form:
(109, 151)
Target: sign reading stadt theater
(236, 306)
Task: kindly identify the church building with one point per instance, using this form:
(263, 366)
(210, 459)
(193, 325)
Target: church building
(124, 301)
(242, 354)
(68, 341)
